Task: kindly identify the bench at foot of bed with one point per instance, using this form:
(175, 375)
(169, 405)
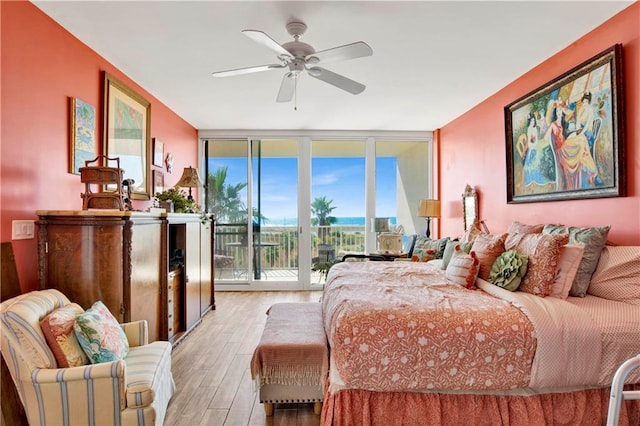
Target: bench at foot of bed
(291, 362)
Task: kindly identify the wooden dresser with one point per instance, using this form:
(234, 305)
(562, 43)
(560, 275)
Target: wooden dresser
(127, 260)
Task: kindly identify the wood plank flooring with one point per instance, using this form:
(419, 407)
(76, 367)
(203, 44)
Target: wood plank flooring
(211, 366)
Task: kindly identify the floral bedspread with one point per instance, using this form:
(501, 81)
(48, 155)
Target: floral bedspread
(398, 326)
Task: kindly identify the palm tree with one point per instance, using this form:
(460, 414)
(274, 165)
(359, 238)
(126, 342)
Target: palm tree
(224, 199)
(321, 209)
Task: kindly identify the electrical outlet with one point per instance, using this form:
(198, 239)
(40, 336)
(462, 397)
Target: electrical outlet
(22, 229)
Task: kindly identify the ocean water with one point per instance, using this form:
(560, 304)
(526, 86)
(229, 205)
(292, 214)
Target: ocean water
(344, 221)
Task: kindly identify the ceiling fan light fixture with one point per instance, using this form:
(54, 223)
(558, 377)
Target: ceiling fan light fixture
(314, 71)
(298, 56)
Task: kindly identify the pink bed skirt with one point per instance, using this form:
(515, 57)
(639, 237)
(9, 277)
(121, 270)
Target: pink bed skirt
(586, 407)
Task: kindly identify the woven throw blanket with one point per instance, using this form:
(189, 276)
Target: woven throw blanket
(293, 349)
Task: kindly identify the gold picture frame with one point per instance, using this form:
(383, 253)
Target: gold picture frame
(82, 131)
(127, 126)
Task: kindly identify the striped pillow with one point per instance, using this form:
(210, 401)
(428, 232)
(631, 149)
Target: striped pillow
(462, 268)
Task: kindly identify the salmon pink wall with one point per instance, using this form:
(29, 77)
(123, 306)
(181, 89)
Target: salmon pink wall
(472, 147)
(43, 65)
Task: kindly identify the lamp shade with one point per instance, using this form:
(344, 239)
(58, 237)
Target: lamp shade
(429, 208)
(380, 224)
(190, 178)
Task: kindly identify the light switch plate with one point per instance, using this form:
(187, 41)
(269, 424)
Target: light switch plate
(22, 229)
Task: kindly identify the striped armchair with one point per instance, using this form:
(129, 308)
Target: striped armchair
(132, 391)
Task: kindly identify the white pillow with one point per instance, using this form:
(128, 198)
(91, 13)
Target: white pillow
(617, 276)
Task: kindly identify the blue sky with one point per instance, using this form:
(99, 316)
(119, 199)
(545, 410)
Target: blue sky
(338, 179)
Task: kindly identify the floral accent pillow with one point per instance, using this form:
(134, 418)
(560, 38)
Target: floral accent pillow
(463, 268)
(424, 244)
(100, 335)
(543, 252)
(423, 255)
(57, 328)
(508, 270)
(488, 247)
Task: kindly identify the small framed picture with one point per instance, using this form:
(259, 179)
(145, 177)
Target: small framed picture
(158, 152)
(83, 134)
(158, 182)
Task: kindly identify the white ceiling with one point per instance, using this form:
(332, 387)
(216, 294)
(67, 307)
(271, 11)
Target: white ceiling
(431, 62)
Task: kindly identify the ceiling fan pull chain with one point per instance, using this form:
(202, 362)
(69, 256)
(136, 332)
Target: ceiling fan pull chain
(295, 95)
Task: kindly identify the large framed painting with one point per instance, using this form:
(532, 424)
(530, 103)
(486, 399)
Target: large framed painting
(566, 139)
(82, 134)
(127, 123)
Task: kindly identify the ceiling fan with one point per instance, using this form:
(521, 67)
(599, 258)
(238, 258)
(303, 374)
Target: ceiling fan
(298, 56)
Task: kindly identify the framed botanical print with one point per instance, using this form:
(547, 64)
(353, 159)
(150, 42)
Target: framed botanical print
(82, 134)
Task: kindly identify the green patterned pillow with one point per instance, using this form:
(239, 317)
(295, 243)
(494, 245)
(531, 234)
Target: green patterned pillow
(100, 335)
(424, 244)
(594, 240)
(508, 269)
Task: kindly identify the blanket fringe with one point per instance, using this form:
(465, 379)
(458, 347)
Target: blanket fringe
(291, 375)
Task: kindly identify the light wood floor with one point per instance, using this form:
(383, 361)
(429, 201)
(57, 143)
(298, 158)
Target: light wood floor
(211, 365)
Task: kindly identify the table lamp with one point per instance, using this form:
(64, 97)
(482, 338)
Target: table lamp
(379, 225)
(429, 209)
(190, 179)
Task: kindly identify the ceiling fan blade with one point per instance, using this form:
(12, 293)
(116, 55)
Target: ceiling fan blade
(287, 88)
(337, 80)
(355, 50)
(247, 70)
(265, 40)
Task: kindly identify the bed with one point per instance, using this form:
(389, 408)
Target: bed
(408, 347)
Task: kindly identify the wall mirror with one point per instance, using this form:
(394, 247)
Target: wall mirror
(469, 207)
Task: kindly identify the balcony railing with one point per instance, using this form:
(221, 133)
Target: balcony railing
(278, 245)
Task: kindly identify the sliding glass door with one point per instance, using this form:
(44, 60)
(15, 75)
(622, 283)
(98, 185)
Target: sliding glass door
(338, 202)
(287, 208)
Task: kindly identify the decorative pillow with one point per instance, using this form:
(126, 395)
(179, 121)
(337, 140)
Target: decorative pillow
(450, 247)
(568, 262)
(463, 268)
(100, 335)
(423, 244)
(520, 228)
(543, 252)
(488, 247)
(617, 276)
(57, 328)
(423, 256)
(508, 269)
(471, 233)
(594, 240)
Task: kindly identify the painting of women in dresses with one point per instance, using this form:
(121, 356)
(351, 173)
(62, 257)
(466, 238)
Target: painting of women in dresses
(563, 140)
